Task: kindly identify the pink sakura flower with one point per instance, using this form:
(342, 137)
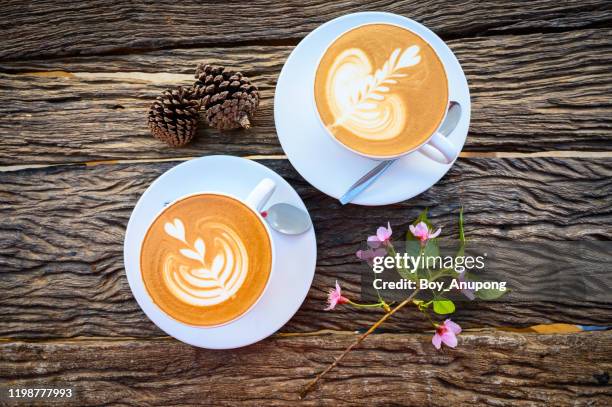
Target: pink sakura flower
(382, 236)
(335, 297)
(423, 233)
(369, 254)
(446, 333)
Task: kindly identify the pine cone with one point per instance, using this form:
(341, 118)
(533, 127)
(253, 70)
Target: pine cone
(228, 98)
(173, 116)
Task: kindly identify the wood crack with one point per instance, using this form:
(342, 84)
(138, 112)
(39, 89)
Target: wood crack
(501, 369)
(107, 29)
(463, 154)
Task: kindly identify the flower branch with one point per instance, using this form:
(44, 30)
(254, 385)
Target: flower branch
(360, 339)
(424, 236)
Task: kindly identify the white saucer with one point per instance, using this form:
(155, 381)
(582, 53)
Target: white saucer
(323, 162)
(295, 255)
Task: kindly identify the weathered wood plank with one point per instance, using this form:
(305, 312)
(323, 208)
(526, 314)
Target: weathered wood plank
(46, 28)
(530, 93)
(496, 369)
(62, 234)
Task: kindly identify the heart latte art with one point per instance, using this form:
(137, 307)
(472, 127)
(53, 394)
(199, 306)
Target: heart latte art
(206, 259)
(209, 283)
(380, 90)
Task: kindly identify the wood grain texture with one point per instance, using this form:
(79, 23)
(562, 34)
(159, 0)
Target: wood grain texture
(48, 28)
(494, 369)
(61, 245)
(530, 93)
(77, 79)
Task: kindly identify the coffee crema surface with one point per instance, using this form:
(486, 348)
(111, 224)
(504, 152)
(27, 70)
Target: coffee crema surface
(381, 90)
(206, 259)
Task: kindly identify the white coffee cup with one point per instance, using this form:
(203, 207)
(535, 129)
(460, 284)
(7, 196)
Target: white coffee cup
(436, 147)
(255, 201)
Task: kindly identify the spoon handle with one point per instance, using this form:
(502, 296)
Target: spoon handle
(450, 122)
(365, 181)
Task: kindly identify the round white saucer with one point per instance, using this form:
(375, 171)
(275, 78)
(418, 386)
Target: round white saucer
(323, 162)
(294, 264)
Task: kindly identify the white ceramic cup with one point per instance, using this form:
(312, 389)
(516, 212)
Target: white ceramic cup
(436, 147)
(255, 201)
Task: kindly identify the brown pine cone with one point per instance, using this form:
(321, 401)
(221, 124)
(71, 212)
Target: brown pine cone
(173, 116)
(228, 98)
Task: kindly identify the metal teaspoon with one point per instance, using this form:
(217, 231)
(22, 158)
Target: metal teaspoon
(450, 122)
(287, 219)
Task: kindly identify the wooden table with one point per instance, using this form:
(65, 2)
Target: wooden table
(75, 153)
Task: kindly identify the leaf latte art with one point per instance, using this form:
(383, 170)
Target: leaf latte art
(206, 259)
(380, 90)
(362, 101)
(211, 283)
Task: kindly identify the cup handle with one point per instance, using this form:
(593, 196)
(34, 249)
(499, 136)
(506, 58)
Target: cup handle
(260, 194)
(440, 149)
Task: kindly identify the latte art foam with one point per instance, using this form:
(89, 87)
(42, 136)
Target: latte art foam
(206, 259)
(363, 101)
(381, 90)
(215, 281)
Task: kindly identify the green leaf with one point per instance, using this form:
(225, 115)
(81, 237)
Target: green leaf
(413, 246)
(443, 307)
(431, 249)
(461, 249)
(461, 232)
(490, 294)
(405, 273)
(414, 249)
(485, 294)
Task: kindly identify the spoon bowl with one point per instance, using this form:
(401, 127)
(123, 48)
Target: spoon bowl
(287, 219)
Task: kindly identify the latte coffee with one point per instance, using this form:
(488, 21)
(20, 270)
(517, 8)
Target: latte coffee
(381, 90)
(206, 259)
